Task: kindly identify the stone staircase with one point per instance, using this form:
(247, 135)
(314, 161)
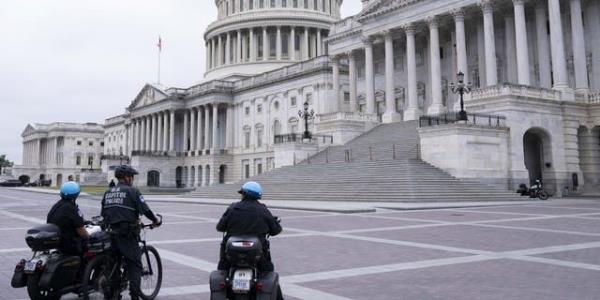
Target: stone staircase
(380, 165)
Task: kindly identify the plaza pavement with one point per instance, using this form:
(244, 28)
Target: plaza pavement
(529, 250)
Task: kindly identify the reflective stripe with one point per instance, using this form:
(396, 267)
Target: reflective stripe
(118, 205)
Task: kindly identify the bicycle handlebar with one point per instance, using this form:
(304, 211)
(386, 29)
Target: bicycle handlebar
(152, 226)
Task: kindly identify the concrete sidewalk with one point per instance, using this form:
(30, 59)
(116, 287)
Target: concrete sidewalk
(43, 191)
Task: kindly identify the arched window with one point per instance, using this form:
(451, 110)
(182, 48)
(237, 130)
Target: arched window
(276, 127)
(259, 134)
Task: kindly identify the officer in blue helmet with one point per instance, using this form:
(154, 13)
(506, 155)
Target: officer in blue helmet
(66, 215)
(249, 217)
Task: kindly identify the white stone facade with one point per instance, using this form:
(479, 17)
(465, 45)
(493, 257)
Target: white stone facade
(61, 151)
(536, 63)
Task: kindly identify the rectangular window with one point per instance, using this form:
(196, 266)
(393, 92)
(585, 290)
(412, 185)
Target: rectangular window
(259, 137)
(78, 143)
(101, 144)
(295, 3)
(247, 110)
(259, 108)
(259, 168)
(293, 101)
(261, 4)
(346, 97)
(90, 161)
(273, 3)
(309, 98)
(233, 7)
(242, 5)
(247, 139)
(315, 5)
(284, 3)
(250, 4)
(78, 160)
(306, 4)
(91, 143)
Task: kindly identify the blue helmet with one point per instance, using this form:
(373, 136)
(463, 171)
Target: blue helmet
(252, 189)
(70, 190)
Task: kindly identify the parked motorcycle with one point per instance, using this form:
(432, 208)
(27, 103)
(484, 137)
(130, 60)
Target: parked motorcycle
(243, 280)
(535, 191)
(50, 274)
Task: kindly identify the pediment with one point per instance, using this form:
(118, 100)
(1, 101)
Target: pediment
(148, 95)
(28, 130)
(383, 6)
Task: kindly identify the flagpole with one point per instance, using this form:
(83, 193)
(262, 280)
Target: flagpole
(159, 54)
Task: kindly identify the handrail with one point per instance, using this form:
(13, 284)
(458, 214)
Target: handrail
(370, 152)
(298, 137)
(483, 120)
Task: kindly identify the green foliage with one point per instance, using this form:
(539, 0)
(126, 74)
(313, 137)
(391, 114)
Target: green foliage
(4, 162)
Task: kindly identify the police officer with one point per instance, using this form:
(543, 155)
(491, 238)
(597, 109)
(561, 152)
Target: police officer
(66, 215)
(122, 207)
(249, 217)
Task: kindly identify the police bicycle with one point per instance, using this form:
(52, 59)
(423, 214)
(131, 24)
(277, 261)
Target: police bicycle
(105, 276)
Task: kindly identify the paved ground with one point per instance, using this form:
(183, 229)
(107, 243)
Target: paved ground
(543, 250)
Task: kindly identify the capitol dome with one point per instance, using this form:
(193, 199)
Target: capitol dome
(251, 37)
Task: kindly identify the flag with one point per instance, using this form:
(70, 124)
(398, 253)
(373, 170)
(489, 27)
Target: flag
(159, 45)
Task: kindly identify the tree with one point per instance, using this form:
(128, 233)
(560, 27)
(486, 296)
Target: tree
(4, 162)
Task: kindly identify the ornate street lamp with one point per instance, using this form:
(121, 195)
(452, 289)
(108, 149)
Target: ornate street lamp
(306, 115)
(461, 88)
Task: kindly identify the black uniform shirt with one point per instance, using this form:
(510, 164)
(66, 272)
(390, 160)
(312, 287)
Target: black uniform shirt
(248, 217)
(66, 215)
(124, 203)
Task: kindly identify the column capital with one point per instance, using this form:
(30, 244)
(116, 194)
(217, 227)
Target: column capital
(487, 5)
(458, 14)
(335, 58)
(350, 54)
(409, 28)
(367, 40)
(518, 2)
(432, 21)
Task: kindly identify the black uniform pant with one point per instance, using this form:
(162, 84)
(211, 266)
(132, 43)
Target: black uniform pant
(128, 247)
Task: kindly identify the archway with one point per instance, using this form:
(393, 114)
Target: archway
(59, 180)
(178, 177)
(200, 176)
(24, 179)
(193, 176)
(153, 178)
(222, 173)
(537, 149)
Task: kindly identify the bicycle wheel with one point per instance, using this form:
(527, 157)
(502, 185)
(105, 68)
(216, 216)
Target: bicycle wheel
(96, 279)
(151, 273)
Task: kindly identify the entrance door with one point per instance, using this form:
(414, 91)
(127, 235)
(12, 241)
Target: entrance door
(153, 179)
(538, 157)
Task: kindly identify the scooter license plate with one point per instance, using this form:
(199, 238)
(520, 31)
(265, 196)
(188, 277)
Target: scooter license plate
(241, 280)
(30, 266)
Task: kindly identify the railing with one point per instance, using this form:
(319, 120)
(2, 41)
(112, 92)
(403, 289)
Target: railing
(472, 119)
(376, 152)
(594, 97)
(349, 116)
(149, 153)
(510, 89)
(114, 157)
(317, 62)
(297, 137)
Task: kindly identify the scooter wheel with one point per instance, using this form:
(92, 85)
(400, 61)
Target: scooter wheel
(543, 195)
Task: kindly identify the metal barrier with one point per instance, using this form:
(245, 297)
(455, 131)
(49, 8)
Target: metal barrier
(472, 119)
(297, 137)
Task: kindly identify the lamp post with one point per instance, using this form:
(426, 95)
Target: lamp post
(461, 88)
(306, 115)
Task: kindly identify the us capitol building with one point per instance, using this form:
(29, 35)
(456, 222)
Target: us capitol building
(535, 64)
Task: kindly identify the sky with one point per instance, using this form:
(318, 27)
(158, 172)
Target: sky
(85, 60)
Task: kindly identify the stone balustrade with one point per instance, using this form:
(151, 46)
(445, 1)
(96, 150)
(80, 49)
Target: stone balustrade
(348, 116)
(508, 89)
(594, 97)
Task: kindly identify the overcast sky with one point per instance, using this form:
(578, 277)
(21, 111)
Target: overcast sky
(85, 60)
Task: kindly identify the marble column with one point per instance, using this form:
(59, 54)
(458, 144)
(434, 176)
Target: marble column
(153, 127)
(195, 184)
(220, 54)
(159, 131)
(278, 47)
(192, 129)
(335, 65)
(134, 136)
(228, 49)
(305, 48)
(437, 105)
(265, 44)
(521, 42)
(229, 127)
(172, 131)
(461, 43)
(579, 55)
(207, 45)
(215, 129)
(238, 56)
(140, 134)
(319, 43)
(490, 42)
(390, 115)
(510, 49)
(352, 78)
(199, 130)
(186, 122)
(213, 52)
(557, 44)
(292, 49)
(207, 128)
(165, 145)
(252, 45)
(412, 112)
(543, 46)
(148, 133)
(369, 75)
